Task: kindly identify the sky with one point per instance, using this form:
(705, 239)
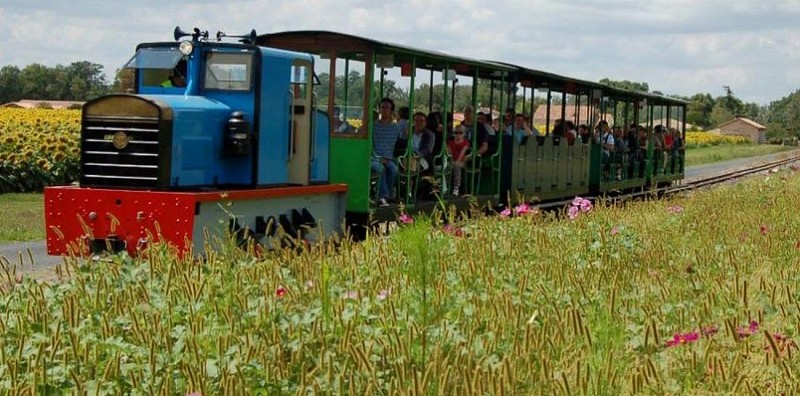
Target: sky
(678, 47)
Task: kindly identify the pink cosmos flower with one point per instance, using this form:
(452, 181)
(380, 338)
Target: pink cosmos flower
(709, 331)
(680, 339)
(573, 212)
(405, 218)
(577, 201)
(522, 209)
(280, 292)
(506, 212)
(744, 332)
(614, 230)
(586, 205)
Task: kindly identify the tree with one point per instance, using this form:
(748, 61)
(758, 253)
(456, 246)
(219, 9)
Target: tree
(9, 84)
(698, 112)
(626, 85)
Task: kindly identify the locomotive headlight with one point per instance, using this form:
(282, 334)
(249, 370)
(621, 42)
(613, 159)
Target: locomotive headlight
(185, 47)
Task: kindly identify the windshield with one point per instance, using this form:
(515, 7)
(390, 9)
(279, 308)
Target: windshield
(154, 58)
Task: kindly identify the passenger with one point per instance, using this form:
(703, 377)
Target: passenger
(509, 119)
(422, 141)
(339, 125)
(620, 150)
(489, 135)
(658, 149)
(521, 129)
(607, 142)
(569, 132)
(678, 149)
(458, 150)
(468, 122)
(177, 78)
(583, 133)
(642, 148)
(599, 131)
(558, 129)
(385, 135)
(401, 145)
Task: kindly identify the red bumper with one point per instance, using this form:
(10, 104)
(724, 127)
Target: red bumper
(76, 217)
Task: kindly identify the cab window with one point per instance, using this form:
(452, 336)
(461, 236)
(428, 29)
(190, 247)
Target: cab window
(228, 71)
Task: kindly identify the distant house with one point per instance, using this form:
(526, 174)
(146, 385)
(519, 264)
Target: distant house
(36, 103)
(578, 114)
(742, 126)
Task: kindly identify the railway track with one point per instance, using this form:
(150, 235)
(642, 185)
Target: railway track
(44, 267)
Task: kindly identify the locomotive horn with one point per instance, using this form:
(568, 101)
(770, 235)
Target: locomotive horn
(245, 38)
(178, 33)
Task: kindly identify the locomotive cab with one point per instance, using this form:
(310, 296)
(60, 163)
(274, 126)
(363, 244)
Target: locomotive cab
(207, 115)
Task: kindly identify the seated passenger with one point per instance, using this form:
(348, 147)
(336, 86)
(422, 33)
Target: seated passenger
(384, 136)
(583, 133)
(467, 123)
(489, 135)
(339, 125)
(458, 150)
(521, 129)
(569, 132)
(422, 141)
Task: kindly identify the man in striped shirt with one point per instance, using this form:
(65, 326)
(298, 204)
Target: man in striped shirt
(385, 133)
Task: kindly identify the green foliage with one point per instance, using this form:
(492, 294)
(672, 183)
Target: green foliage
(525, 304)
(78, 81)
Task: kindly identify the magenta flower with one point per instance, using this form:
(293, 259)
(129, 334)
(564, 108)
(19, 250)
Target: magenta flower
(577, 201)
(280, 292)
(452, 230)
(573, 212)
(680, 339)
(522, 209)
(614, 230)
(744, 332)
(405, 218)
(586, 205)
(506, 212)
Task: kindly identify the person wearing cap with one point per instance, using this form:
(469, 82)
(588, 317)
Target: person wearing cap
(178, 77)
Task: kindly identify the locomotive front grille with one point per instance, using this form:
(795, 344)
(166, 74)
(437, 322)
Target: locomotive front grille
(120, 152)
(120, 148)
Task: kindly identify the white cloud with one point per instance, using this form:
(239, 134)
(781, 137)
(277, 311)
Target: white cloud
(676, 46)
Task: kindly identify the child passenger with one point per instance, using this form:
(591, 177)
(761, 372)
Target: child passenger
(458, 150)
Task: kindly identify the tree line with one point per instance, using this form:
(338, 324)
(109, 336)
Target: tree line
(84, 80)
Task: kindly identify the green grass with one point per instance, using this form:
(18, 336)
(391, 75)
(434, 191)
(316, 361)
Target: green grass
(527, 304)
(22, 217)
(711, 154)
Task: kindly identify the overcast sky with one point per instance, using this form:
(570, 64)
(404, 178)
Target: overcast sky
(679, 47)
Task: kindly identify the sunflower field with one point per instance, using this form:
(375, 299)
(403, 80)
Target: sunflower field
(706, 139)
(38, 147)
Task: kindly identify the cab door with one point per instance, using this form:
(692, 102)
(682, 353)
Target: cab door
(299, 163)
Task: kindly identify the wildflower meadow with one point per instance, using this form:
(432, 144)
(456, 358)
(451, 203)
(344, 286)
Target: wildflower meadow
(695, 294)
